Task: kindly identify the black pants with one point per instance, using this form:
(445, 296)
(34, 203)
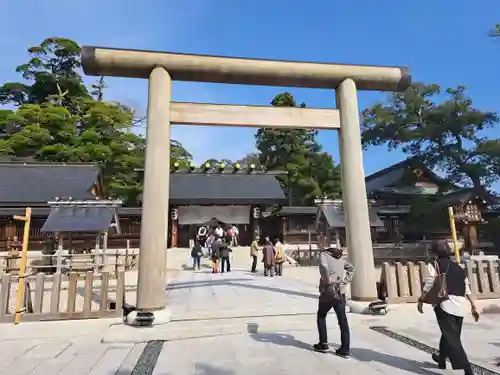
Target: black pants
(279, 269)
(196, 262)
(450, 345)
(254, 263)
(326, 303)
(268, 270)
(225, 262)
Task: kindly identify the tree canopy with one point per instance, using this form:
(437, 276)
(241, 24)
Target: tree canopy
(445, 134)
(310, 172)
(57, 118)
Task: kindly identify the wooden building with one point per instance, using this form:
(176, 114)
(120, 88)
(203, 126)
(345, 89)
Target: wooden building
(394, 190)
(34, 185)
(330, 222)
(229, 197)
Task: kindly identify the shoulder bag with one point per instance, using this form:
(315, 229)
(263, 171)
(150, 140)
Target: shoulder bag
(439, 290)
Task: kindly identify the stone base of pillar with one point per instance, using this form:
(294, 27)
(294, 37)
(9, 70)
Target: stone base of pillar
(362, 307)
(151, 319)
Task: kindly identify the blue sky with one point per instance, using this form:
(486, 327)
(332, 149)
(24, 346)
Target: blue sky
(442, 42)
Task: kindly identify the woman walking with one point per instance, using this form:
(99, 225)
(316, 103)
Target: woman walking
(449, 312)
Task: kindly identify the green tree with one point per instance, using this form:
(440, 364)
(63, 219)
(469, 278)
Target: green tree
(311, 173)
(57, 119)
(216, 162)
(252, 158)
(444, 134)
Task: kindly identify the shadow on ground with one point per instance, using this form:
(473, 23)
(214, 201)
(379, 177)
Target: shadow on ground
(237, 282)
(361, 354)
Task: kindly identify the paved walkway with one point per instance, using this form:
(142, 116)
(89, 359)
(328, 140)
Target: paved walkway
(234, 323)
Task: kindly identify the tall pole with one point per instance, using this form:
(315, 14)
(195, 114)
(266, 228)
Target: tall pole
(359, 241)
(21, 284)
(154, 224)
(453, 229)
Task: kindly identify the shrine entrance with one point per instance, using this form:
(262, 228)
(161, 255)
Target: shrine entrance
(161, 68)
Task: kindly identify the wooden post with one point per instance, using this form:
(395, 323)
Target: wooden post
(97, 253)
(283, 228)
(175, 233)
(60, 246)
(454, 233)
(22, 266)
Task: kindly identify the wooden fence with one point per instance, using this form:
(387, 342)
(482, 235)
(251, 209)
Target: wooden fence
(63, 297)
(403, 281)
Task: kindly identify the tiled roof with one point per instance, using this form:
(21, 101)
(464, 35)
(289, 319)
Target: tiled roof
(463, 195)
(79, 219)
(41, 182)
(335, 217)
(297, 210)
(238, 188)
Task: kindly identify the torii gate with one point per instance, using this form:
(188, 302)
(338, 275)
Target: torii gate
(160, 68)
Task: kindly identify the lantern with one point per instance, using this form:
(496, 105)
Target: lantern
(256, 212)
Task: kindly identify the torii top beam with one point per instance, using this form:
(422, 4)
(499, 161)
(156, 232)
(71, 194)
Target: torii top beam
(204, 68)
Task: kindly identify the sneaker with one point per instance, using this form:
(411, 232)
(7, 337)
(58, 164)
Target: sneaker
(321, 347)
(342, 354)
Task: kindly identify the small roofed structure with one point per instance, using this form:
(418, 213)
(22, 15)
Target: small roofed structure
(90, 216)
(32, 184)
(469, 206)
(331, 221)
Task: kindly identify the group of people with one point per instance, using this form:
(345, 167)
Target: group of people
(335, 275)
(446, 279)
(207, 235)
(218, 243)
(273, 256)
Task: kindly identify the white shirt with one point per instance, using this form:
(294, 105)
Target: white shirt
(219, 232)
(234, 230)
(454, 305)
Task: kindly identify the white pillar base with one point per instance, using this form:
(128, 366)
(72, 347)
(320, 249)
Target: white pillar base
(359, 307)
(159, 317)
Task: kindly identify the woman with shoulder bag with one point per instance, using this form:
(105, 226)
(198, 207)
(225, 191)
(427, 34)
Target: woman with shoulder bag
(447, 289)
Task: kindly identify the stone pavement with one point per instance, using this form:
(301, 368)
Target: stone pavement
(234, 323)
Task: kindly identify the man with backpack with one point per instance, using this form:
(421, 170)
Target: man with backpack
(335, 274)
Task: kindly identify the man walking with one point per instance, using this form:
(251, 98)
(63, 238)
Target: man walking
(254, 253)
(335, 274)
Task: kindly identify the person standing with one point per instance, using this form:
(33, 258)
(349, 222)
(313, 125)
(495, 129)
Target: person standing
(450, 312)
(216, 255)
(235, 235)
(268, 258)
(225, 262)
(196, 253)
(335, 274)
(279, 257)
(254, 253)
(219, 232)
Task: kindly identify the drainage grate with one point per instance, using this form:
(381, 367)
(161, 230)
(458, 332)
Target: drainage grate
(149, 356)
(425, 348)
